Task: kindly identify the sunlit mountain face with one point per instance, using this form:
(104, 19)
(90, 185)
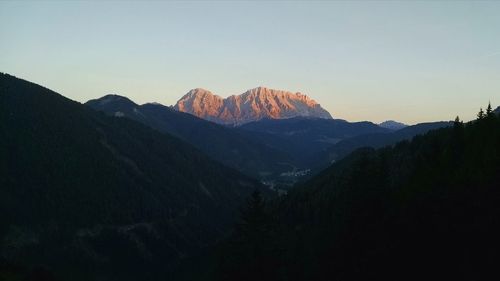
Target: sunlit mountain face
(253, 105)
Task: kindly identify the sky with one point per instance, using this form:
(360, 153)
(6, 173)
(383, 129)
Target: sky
(409, 61)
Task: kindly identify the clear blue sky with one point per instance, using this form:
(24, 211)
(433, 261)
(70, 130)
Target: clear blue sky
(409, 61)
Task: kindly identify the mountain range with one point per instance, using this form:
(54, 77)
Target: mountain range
(113, 190)
(375, 140)
(276, 151)
(253, 105)
(305, 137)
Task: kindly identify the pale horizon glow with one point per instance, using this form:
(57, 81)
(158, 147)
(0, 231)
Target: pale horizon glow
(406, 61)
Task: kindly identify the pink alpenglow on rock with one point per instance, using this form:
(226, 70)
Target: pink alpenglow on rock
(253, 105)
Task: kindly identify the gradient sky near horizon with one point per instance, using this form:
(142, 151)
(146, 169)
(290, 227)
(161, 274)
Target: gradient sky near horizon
(408, 61)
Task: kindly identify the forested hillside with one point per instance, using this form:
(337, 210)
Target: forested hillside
(374, 140)
(426, 209)
(226, 145)
(85, 196)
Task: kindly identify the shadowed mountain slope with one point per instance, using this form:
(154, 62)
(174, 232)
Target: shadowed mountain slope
(393, 125)
(305, 137)
(92, 197)
(377, 140)
(226, 145)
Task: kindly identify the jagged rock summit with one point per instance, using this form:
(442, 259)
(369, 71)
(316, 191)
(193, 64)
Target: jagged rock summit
(253, 105)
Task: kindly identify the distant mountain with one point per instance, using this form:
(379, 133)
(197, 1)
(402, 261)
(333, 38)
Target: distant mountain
(304, 138)
(87, 196)
(253, 105)
(392, 125)
(377, 140)
(497, 111)
(226, 145)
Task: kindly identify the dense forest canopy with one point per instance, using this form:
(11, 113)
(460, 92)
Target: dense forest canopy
(421, 209)
(87, 196)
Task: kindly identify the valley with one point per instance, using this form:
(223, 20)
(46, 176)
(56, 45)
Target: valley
(280, 151)
(126, 189)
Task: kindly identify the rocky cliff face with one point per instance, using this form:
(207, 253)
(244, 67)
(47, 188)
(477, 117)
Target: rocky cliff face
(253, 105)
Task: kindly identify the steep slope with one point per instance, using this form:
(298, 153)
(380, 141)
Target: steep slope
(223, 144)
(203, 104)
(92, 197)
(253, 105)
(423, 209)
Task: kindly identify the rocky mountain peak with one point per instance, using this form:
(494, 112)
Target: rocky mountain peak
(200, 102)
(253, 105)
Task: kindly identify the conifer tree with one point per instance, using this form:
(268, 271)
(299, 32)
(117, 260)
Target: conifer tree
(457, 123)
(489, 111)
(480, 114)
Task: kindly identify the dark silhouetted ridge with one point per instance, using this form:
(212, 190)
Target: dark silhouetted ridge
(95, 197)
